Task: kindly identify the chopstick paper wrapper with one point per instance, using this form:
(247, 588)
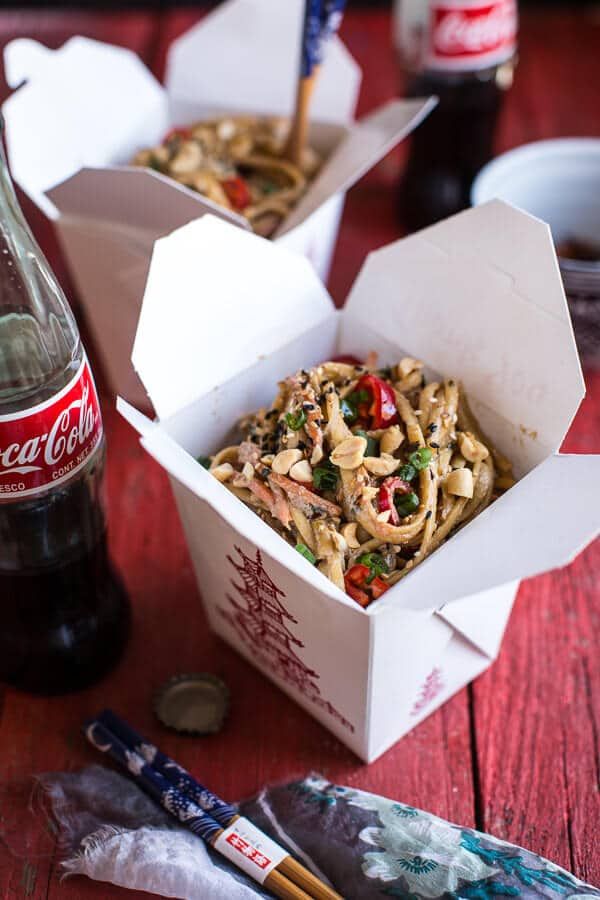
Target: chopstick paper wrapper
(205, 814)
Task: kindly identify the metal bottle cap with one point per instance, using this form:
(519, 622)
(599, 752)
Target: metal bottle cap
(193, 704)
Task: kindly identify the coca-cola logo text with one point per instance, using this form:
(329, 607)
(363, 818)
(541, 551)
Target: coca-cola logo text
(477, 34)
(50, 442)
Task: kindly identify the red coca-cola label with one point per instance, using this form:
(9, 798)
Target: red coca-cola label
(50, 442)
(472, 35)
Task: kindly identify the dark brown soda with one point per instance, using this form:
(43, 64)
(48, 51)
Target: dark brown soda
(63, 627)
(450, 147)
(64, 615)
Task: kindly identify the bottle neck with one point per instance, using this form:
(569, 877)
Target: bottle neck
(39, 340)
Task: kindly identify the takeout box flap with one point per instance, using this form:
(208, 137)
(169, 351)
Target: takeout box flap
(248, 51)
(541, 523)
(138, 421)
(479, 296)
(217, 298)
(136, 198)
(482, 619)
(92, 104)
(365, 144)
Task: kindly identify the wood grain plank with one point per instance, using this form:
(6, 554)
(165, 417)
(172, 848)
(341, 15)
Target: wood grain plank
(554, 94)
(431, 767)
(536, 710)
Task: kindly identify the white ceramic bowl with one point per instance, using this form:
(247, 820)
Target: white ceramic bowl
(558, 181)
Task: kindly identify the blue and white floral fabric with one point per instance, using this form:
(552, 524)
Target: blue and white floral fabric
(367, 846)
(372, 847)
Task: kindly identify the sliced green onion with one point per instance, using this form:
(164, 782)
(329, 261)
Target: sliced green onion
(304, 551)
(407, 472)
(356, 398)
(325, 476)
(406, 504)
(204, 461)
(375, 562)
(348, 411)
(296, 420)
(421, 458)
(372, 444)
(349, 405)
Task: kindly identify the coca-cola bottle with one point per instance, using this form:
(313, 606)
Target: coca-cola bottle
(464, 52)
(64, 616)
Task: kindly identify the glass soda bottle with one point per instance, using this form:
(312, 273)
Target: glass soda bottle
(64, 615)
(463, 51)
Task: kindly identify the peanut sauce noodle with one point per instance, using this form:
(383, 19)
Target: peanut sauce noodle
(237, 162)
(364, 471)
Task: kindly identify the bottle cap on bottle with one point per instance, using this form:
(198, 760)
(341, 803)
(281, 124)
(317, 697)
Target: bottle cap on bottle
(193, 704)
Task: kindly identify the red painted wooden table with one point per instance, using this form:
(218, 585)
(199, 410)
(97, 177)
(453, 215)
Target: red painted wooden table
(516, 753)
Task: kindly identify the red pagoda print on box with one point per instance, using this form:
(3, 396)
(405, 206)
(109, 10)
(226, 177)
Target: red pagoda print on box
(429, 690)
(263, 623)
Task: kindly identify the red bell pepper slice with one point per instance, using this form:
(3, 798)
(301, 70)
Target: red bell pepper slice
(378, 587)
(382, 407)
(184, 133)
(359, 588)
(237, 192)
(385, 497)
(347, 358)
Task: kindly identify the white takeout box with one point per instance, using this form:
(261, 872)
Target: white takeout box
(86, 108)
(478, 296)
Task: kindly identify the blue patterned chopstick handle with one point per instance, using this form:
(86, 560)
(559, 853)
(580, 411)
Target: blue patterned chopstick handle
(333, 11)
(321, 21)
(176, 774)
(155, 784)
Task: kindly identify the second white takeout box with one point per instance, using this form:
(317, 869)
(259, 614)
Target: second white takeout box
(478, 297)
(94, 105)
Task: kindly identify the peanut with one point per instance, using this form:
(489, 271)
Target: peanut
(283, 462)
(391, 439)
(460, 483)
(301, 471)
(408, 365)
(223, 472)
(349, 534)
(350, 453)
(381, 465)
(471, 448)
(248, 471)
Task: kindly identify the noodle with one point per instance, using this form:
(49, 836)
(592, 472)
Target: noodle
(365, 471)
(237, 162)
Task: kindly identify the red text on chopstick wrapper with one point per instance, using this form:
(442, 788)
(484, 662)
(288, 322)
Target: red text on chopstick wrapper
(472, 34)
(249, 849)
(48, 443)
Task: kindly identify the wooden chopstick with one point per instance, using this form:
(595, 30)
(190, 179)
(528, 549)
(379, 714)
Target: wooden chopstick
(296, 141)
(321, 21)
(176, 803)
(305, 879)
(218, 809)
